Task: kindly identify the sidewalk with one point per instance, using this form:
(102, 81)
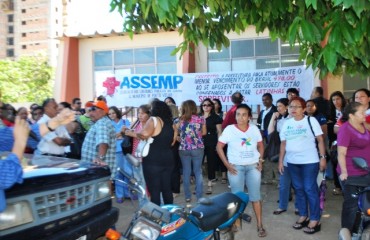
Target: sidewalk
(278, 227)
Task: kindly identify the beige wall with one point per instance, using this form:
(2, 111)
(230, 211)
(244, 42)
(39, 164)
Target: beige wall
(88, 45)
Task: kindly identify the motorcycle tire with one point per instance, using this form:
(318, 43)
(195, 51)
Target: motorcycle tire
(228, 234)
(344, 234)
(366, 233)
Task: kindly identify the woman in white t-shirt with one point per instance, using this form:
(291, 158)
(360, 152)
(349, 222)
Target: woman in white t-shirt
(299, 149)
(244, 161)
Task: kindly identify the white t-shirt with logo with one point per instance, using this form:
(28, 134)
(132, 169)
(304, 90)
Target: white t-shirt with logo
(300, 141)
(241, 146)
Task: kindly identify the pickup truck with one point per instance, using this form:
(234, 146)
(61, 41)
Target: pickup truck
(59, 198)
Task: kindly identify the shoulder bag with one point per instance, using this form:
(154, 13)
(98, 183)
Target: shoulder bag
(272, 149)
(143, 147)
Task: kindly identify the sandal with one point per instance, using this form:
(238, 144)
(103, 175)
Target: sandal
(261, 232)
(224, 181)
(312, 230)
(279, 211)
(299, 225)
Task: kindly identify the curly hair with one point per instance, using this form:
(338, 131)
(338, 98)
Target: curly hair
(161, 109)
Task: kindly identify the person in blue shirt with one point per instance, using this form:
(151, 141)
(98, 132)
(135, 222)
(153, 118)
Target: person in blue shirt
(17, 137)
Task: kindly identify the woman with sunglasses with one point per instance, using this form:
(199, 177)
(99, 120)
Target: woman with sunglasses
(298, 147)
(213, 125)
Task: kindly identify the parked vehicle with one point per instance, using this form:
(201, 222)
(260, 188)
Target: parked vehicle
(362, 228)
(58, 199)
(211, 218)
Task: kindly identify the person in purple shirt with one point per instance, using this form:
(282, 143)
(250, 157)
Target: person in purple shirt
(353, 141)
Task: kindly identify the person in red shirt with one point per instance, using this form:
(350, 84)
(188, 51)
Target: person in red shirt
(237, 98)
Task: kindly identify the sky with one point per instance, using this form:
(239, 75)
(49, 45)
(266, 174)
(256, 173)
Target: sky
(88, 16)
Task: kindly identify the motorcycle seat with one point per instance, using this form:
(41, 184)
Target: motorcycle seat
(217, 210)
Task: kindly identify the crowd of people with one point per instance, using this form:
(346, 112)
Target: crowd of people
(186, 137)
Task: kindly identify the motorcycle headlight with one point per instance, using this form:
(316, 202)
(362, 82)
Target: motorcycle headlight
(102, 190)
(145, 229)
(15, 214)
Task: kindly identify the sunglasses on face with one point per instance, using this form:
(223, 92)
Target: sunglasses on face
(92, 109)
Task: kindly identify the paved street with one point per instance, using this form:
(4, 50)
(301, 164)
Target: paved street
(278, 227)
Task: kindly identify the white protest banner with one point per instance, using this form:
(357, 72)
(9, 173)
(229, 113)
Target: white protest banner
(123, 89)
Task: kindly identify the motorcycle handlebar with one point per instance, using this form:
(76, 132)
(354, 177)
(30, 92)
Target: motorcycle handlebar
(198, 215)
(133, 183)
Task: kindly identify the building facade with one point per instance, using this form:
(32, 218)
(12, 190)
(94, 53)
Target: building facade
(29, 27)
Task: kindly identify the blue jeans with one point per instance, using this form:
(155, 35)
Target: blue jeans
(122, 190)
(195, 157)
(305, 185)
(247, 175)
(285, 182)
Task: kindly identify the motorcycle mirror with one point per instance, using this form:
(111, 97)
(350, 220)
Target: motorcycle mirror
(133, 160)
(360, 162)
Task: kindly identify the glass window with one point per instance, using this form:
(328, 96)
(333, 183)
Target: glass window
(103, 58)
(24, 34)
(292, 60)
(214, 54)
(287, 50)
(144, 55)
(10, 29)
(239, 65)
(123, 71)
(244, 48)
(267, 63)
(219, 66)
(264, 47)
(148, 69)
(164, 54)
(352, 83)
(23, 22)
(167, 68)
(10, 41)
(10, 52)
(124, 57)
(10, 18)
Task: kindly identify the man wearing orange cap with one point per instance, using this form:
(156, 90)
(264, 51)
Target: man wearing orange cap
(99, 145)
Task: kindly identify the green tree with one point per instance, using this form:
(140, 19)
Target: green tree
(332, 33)
(25, 80)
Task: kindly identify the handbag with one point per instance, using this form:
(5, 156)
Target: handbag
(127, 144)
(272, 149)
(143, 147)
